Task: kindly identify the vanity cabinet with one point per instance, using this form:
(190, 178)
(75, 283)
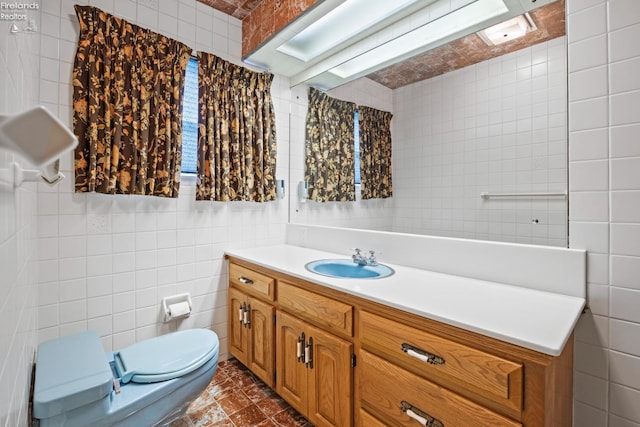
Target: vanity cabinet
(400, 383)
(251, 334)
(314, 352)
(314, 372)
(415, 371)
(304, 352)
(342, 360)
(399, 397)
(250, 322)
(470, 371)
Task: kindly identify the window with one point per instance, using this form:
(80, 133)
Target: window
(356, 154)
(190, 118)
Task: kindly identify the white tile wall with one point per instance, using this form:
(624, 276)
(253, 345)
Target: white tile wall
(106, 261)
(19, 85)
(603, 167)
(369, 214)
(497, 126)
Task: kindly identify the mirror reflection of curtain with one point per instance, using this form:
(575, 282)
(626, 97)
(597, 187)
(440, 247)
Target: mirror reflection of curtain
(127, 107)
(236, 133)
(329, 148)
(375, 153)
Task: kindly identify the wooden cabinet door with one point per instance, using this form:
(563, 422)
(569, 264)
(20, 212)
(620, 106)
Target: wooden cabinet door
(238, 336)
(291, 381)
(330, 380)
(261, 340)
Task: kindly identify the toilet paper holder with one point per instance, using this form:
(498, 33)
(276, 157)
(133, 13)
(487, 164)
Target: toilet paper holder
(176, 307)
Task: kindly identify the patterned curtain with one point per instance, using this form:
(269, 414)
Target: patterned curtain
(375, 153)
(236, 133)
(127, 107)
(329, 148)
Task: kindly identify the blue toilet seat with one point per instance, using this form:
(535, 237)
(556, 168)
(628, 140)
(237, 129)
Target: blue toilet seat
(165, 357)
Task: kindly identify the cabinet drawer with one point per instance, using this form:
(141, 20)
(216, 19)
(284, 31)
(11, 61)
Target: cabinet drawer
(333, 315)
(444, 361)
(252, 282)
(368, 420)
(386, 388)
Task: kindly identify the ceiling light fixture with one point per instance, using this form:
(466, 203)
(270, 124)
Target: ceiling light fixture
(458, 20)
(508, 30)
(339, 25)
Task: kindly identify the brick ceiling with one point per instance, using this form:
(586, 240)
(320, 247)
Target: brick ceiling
(460, 53)
(470, 50)
(236, 8)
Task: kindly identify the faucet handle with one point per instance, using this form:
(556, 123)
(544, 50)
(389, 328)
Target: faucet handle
(358, 251)
(372, 258)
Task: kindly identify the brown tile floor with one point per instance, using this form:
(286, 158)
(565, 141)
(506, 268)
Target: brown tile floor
(236, 398)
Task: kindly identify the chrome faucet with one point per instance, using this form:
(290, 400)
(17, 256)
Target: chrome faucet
(361, 259)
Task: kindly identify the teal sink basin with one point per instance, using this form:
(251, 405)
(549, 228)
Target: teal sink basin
(347, 269)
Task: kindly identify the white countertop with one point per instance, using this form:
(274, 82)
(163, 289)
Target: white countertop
(533, 319)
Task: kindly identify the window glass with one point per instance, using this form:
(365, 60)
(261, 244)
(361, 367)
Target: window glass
(190, 118)
(356, 138)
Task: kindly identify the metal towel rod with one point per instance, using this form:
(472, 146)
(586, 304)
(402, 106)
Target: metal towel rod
(487, 195)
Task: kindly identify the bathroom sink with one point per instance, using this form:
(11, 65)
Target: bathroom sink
(347, 269)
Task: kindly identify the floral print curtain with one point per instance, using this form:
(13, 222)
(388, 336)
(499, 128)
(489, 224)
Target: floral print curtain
(236, 133)
(127, 107)
(329, 148)
(375, 153)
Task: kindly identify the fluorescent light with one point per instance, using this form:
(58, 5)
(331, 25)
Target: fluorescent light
(342, 23)
(458, 20)
(508, 30)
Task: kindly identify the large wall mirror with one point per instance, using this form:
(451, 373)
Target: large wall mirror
(479, 141)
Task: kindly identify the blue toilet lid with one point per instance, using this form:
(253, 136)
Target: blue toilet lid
(167, 356)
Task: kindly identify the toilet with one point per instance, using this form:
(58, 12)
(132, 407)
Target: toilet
(148, 383)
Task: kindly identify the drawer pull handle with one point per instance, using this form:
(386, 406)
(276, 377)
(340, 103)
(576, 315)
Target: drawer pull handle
(245, 315)
(300, 348)
(308, 353)
(425, 356)
(420, 416)
(245, 280)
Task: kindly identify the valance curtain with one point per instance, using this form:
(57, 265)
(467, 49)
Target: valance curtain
(329, 148)
(127, 107)
(236, 133)
(375, 153)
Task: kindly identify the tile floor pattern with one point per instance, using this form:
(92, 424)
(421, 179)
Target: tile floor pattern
(237, 398)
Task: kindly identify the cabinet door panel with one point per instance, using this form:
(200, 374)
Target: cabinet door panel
(261, 348)
(291, 381)
(331, 380)
(238, 336)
